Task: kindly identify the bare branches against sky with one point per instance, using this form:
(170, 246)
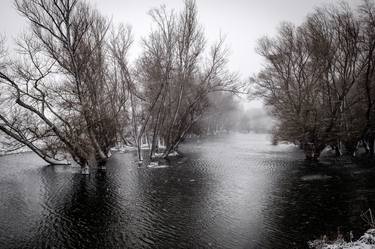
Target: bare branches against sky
(242, 22)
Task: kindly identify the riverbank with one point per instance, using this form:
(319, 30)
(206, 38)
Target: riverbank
(5, 152)
(367, 241)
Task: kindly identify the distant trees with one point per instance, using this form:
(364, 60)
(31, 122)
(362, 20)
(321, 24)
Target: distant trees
(319, 80)
(221, 115)
(226, 114)
(72, 92)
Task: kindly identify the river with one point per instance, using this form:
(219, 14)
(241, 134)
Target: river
(231, 191)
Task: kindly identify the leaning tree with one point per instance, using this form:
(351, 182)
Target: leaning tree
(59, 99)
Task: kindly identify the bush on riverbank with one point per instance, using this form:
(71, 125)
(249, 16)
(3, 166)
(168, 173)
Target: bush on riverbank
(367, 241)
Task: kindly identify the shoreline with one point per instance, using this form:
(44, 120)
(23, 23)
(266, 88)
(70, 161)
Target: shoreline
(366, 241)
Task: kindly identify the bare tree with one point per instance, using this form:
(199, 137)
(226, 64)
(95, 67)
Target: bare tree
(177, 76)
(119, 45)
(76, 93)
(313, 80)
(367, 84)
(63, 81)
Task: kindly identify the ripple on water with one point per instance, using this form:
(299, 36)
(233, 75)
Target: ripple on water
(234, 191)
(316, 177)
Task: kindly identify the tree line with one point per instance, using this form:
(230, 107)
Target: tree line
(319, 80)
(226, 114)
(70, 91)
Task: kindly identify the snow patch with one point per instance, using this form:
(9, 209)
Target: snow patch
(173, 153)
(157, 155)
(5, 152)
(155, 165)
(160, 155)
(367, 241)
(123, 148)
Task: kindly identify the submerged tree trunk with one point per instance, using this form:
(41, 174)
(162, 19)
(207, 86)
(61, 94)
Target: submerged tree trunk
(312, 151)
(139, 147)
(338, 149)
(371, 146)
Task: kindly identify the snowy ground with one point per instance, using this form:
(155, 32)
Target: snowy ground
(4, 151)
(367, 241)
(126, 148)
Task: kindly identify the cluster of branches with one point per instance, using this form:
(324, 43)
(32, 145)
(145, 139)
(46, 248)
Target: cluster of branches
(70, 91)
(319, 79)
(176, 75)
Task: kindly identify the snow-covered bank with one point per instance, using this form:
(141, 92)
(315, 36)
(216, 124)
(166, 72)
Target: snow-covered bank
(123, 148)
(4, 151)
(367, 241)
(160, 155)
(127, 148)
(157, 165)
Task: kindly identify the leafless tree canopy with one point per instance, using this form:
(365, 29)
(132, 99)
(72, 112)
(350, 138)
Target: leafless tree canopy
(74, 94)
(319, 79)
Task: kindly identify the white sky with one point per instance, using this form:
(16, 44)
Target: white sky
(243, 22)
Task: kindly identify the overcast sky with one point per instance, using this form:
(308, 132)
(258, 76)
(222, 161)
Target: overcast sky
(243, 22)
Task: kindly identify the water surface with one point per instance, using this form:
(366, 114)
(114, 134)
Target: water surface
(233, 191)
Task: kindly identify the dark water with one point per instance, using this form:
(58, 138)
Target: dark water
(230, 192)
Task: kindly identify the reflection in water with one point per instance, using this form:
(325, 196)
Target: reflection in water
(235, 191)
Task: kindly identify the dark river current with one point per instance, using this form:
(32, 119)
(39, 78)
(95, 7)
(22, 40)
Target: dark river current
(234, 191)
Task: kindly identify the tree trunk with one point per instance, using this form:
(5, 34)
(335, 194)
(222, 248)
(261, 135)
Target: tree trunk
(338, 149)
(371, 146)
(139, 149)
(312, 151)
